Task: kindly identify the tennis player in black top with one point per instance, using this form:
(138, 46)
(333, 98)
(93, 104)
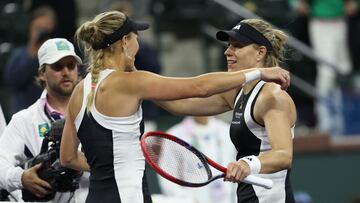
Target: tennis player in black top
(264, 114)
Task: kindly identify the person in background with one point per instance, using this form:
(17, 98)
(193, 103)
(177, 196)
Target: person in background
(302, 197)
(2, 121)
(105, 115)
(22, 67)
(66, 15)
(328, 32)
(210, 136)
(356, 199)
(264, 115)
(23, 137)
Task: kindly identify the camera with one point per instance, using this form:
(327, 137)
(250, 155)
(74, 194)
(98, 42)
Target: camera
(60, 178)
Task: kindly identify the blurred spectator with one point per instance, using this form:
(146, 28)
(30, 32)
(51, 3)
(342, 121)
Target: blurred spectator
(146, 59)
(159, 198)
(356, 199)
(329, 37)
(210, 136)
(66, 14)
(302, 197)
(2, 121)
(354, 40)
(88, 9)
(305, 68)
(22, 66)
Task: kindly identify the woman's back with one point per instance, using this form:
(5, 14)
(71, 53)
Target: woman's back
(111, 146)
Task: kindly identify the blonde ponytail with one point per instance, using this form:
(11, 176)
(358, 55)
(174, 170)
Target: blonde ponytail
(91, 34)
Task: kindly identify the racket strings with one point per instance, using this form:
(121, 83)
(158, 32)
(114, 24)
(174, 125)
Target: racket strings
(177, 160)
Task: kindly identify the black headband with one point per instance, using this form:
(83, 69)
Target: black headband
(243, 32)
(127, 27)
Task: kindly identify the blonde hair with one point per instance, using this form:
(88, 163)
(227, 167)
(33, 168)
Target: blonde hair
(91, 34)
(276, 37)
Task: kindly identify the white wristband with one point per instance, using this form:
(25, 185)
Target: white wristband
(252, 75)
(253, 162)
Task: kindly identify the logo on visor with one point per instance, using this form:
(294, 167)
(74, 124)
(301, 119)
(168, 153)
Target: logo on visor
(237, 27)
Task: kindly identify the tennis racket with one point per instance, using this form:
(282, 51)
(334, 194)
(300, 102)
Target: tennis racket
(179, 162)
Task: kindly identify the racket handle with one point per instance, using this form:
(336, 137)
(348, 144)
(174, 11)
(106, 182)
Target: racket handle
(255, 180)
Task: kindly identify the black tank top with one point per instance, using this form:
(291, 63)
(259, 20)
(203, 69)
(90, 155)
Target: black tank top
(250, 138)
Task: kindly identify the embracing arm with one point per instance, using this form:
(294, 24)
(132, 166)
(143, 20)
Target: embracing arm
(156, 87)
(212, 105)
(70, 156)
(220, 103)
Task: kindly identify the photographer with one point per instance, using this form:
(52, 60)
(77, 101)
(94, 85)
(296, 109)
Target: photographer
(23, 137)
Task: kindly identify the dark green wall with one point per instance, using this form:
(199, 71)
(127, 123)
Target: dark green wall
(327, 177)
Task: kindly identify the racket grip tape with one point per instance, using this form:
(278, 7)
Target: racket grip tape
(255, 180)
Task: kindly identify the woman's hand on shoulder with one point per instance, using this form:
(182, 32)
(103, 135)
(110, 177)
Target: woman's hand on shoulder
(276, 75)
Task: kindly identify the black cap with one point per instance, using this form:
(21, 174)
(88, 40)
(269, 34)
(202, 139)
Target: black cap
(127, 27)
(244, 33)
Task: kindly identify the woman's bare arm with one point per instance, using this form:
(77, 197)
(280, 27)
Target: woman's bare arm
(70, 156)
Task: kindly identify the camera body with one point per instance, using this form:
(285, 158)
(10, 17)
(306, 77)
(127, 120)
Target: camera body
(60, 178)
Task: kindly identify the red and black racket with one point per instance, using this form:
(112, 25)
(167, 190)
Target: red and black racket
(179, 162)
